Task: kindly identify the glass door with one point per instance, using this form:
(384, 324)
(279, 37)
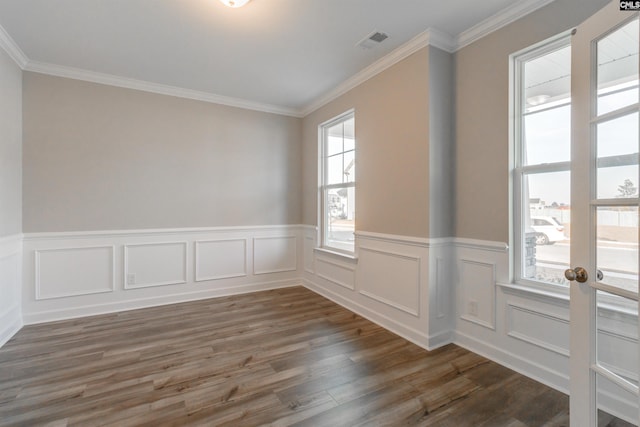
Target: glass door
(605, 360)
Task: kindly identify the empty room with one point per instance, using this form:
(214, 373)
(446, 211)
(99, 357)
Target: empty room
(319, 213)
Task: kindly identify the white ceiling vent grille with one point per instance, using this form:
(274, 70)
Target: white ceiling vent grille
(372, 40)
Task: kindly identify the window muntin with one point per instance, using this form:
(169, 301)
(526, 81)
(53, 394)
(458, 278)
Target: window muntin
(337, 183)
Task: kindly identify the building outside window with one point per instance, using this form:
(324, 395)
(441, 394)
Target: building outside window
(338, 183)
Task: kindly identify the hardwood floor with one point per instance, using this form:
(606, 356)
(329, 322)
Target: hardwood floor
(281, 357)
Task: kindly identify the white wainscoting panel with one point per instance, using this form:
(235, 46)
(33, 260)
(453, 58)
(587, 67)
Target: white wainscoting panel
(340, 273)
(74, 274)
(388, 281)
(74, 271)
(274, 254)
(535, 326)
(477, 292)
(220, 259)
(500, 330)
(155, 264)
(390, 277)
(10, 286)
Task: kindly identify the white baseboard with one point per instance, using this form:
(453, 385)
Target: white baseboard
(12, 323)
(408, 333)
(10, 286)
(73, 274)
(527, 367)
(134, 304)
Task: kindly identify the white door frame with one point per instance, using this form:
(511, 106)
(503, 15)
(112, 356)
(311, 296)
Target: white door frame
(583, 222)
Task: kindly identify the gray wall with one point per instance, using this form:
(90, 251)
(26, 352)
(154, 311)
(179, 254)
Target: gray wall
(482, 116)
(98, 157)
(392, 153)
(10, 146)
(441, 143)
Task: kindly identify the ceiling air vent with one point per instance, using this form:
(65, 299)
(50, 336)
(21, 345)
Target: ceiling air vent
(372, 40)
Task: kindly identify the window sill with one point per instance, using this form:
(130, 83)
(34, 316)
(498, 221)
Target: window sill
(548, 294)
(349, 257)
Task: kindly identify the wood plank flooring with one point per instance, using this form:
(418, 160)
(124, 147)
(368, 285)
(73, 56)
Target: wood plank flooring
(282, 357)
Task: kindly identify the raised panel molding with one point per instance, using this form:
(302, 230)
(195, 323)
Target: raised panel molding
(164, 263)
(477, 286)
(378, 268)
(274, 254)
(534, 318)
(226, 258)
(74, 271)
(326, 273)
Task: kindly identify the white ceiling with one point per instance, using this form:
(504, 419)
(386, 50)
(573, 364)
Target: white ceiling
(276, 55)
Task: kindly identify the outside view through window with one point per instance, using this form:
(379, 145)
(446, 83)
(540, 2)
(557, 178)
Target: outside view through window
(543, 169)
(339, 184)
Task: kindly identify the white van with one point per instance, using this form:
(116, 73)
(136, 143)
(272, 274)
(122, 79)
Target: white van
(548, 230)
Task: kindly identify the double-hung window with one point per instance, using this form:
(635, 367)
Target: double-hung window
(338, 183)
(541, 162)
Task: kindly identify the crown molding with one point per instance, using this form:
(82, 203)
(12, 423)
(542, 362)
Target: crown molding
(499, 20)
(111, 80)
(12, 49)
(430, 37)
(441, 40)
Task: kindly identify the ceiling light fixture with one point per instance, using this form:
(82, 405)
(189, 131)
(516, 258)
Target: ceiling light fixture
(537, 99)
(235, 3)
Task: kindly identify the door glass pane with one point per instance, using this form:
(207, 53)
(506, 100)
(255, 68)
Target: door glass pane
(617, 352)
(617, 246)
(618, 68)
(615, 407)
(617, 151)
(547, 226)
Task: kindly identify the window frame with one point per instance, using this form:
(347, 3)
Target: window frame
(517, 167)
(323, 187)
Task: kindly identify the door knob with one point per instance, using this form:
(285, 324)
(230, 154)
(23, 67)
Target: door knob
(578, 274)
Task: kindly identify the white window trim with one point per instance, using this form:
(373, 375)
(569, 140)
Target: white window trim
(517, 170)
(322, 172)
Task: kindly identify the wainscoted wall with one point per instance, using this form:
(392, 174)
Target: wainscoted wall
(401, 283)
(10, 286)
(528, 330)
(430, 291)
(84, 273)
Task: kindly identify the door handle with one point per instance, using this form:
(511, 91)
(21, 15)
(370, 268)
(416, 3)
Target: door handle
(578, 274)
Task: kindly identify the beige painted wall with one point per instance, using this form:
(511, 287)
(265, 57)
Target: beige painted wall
(99, 157)
(482, 116)
(392, 155)
(10, 146)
